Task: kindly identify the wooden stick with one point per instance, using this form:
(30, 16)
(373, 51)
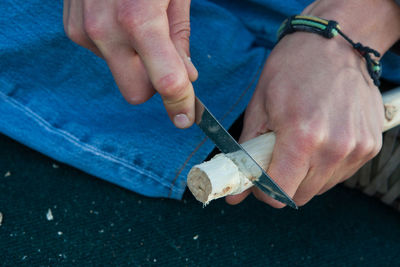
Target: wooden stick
(220, 176)
(391, 101)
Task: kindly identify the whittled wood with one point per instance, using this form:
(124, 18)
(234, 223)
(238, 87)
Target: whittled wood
(220, 176)
(391, 101)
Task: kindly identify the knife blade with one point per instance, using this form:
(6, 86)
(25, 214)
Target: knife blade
(228, 145)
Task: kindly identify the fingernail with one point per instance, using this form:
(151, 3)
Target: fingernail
(190, 59)
(181, 121)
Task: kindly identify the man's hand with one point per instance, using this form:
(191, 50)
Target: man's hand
(146, 46)
(326, 114)
(318, 98)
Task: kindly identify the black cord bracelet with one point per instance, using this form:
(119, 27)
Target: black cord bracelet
(330, 29)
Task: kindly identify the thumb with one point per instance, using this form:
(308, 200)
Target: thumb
(179, 24)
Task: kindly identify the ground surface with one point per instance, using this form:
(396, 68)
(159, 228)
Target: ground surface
(98, 224)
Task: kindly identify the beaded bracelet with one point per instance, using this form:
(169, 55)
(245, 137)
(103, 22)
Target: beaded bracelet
(330, 29)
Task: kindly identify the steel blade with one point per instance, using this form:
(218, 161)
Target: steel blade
(228, 145)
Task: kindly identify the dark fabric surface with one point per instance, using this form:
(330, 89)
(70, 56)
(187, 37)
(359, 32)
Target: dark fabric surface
(99, 224)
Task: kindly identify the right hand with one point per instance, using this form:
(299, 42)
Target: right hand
(146, 46)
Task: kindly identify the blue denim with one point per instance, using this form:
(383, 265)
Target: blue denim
(61, 100)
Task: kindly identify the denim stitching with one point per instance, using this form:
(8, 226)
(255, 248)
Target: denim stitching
(77, 142)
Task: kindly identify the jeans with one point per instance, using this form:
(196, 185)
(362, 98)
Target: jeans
(61, 100)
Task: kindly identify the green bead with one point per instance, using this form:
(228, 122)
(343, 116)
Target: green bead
(376, 68)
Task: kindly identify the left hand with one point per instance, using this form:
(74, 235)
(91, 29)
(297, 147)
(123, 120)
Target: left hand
(318, 98)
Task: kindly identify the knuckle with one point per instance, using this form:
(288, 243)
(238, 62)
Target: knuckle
(367, 148)
(341, 148)
(74, 33)
(94, 28)
(375, 151)
(377, 146)
(172, 86)
(130, 18)
(309, 138)
(181, 30)
(364, 148)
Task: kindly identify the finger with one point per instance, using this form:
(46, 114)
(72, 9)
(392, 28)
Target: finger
(75, 28)
(252, 126)
(149, 34)
(236, 199)
(333, 158)
(316, 179)
(66, 5)
(289, 166)
(346, 168)
(365, 150)
(179, 24)
(343, 172)
(289, 162)
(130, 75)
(336, 179)
(255, 119)
(191, 69)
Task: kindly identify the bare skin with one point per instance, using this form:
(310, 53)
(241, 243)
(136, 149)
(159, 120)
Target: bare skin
(146, 46)
(318, 98)
(314, 93)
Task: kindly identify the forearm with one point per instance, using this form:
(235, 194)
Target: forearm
(374, 23)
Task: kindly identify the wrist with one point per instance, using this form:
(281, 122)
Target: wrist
(374, 23)
(329, 29)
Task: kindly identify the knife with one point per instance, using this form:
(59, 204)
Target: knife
(227, 144)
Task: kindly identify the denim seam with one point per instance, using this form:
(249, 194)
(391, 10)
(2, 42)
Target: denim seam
(201, 143)
(74, 140)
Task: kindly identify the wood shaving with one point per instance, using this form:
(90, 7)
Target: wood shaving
(49, 215)
(1, 218)
(7, 174)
